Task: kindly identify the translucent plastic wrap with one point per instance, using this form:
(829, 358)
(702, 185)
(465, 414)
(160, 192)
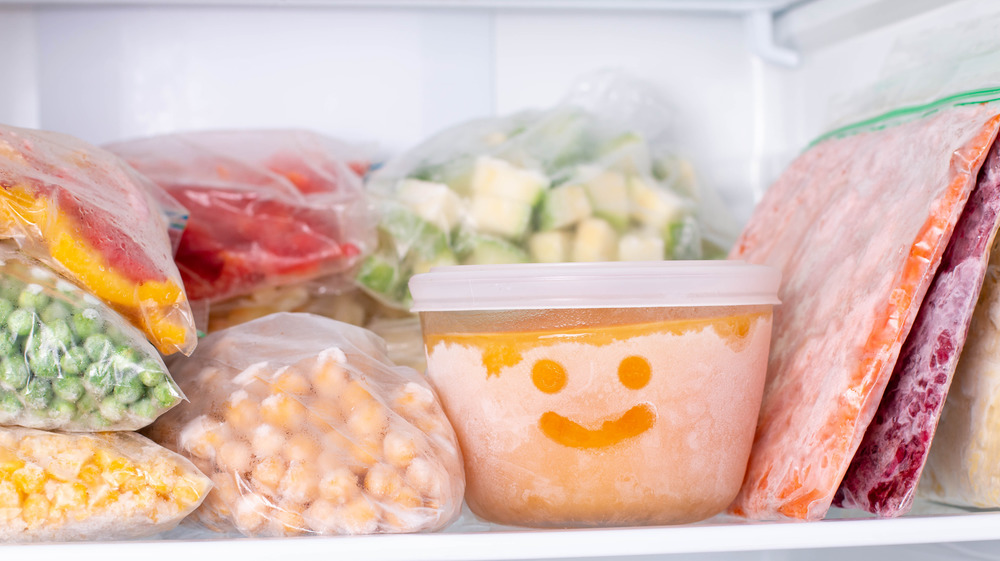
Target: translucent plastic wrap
(92, 218)
(595, 178)
(857, 225)
(107, 486)
(963, 467)
(69, 362)
(306, 428)
(266, 208)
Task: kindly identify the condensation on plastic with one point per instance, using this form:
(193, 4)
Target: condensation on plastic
(306, 428)
(963, 467)
(610, 129)
(105, 486)
(68, 362)
(92, 218)
(266, 208)
(857, 225)
(601, 417)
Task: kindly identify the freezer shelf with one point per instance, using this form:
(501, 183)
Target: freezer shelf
(714, 536)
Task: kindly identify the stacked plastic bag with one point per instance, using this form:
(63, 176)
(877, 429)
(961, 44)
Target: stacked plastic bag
(88, 293)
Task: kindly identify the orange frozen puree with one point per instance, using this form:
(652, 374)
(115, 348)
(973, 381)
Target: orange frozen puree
(641, 423)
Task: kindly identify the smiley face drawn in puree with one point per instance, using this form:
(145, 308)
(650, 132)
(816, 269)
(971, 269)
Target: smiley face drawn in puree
(633, 372)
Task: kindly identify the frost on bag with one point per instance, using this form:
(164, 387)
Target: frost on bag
(306, 428)
(266, 208)
(595, 178)
(107, 486)
(85, 213)
(69, 362)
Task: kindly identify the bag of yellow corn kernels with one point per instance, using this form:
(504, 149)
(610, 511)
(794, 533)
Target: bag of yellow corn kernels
(114, 485)
(306, 427)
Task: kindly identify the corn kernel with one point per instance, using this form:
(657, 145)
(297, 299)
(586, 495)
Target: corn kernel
(9, 495)
(36, 510)
(90, 475)
(9, 462)
(29, 479)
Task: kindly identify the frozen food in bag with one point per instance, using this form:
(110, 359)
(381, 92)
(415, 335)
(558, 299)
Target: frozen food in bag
(306, 428)
(595, 178)
(69, 362)
(882, 478)
(963, 467)
(266, 208)
(857, 224)
(92, 218)
(104, 486)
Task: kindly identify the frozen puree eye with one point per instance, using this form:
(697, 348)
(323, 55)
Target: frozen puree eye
(548, 376)
(634, 372)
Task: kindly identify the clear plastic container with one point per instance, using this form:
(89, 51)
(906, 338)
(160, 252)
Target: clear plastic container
(600, 394)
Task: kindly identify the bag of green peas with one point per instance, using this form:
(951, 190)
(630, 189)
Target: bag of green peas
(69, 362)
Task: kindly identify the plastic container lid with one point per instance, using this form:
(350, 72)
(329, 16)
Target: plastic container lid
(640, 284)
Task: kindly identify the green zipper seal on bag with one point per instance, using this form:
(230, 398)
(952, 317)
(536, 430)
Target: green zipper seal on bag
(903, 114)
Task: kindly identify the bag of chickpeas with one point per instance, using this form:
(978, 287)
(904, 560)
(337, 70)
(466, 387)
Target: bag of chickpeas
(306, 427)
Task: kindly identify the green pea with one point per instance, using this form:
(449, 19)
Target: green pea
(8, 342)
(151, 373)
(74, 361)
(5, 309)
(96, 421)
(44, 363)
(86, 322)
(112, 409)
(86, 404)
(10, 289)
(98, 379)
(129, 389)
(55, 311)
(98, 347)
(21, 322)
(38, 393)
(33, 297)
(13, 373)
(61, 410)
(69, 388)
(59, 332)
(165, 394)
(10, 406)
(125, 358)
(144, 408)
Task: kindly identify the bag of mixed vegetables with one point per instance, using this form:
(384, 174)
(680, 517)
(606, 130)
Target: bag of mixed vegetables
(306, 427)
(69, 362)
(595, 178)
(93, 219)
(107, 486)
(266, 208)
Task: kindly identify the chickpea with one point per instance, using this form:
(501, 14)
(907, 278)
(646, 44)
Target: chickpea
(267, 441)
(399, 448)
(234, 457)
(339, 486)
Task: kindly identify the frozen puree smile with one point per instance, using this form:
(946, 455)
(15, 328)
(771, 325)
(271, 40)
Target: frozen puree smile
(633, 422)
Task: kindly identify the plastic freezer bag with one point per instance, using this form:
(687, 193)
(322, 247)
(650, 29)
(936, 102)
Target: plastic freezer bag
(85, 213)
(106, 486)
(883, 476)
(69, 362)
(857, 225)
(266, 208)
(595, 178)
(306, 428)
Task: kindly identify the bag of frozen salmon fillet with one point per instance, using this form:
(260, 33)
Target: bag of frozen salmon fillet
(93, 219)
(858, 225)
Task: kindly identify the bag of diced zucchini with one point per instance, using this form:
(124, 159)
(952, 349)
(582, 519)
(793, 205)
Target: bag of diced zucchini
(595, 178)
(69, 362)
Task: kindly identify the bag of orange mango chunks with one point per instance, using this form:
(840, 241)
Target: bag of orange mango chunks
(88, 215)
(106, 486)
(305, 427)
(857, 224)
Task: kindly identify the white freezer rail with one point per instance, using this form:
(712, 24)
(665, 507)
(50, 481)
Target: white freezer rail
(753, 81)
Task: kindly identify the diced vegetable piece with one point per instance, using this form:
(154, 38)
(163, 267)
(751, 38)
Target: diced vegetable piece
(410, 232)
(493, 177)
(550, 247)
(563, 206)
(434, 202)
(444, 259)
(380, 274)
(609, 197)
(595, 240)
(654, 207)
(641, 246)
(503, 217)
(487, 250)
